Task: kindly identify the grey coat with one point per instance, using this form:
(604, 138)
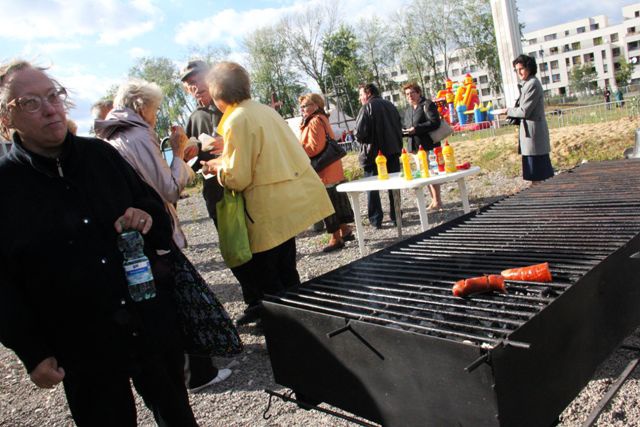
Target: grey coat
(534, 132)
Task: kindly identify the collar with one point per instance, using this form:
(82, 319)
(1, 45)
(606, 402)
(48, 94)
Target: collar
(46, 165)
(230, 109)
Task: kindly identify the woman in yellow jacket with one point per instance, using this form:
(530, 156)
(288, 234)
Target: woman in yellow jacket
(283, 194)
(314, 130)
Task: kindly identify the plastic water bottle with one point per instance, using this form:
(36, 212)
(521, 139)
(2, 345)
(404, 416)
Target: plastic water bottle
(137, 267)
(433, 164)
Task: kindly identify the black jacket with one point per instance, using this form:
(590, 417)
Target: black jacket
(63, 292)
(425, 118)
(378, 127)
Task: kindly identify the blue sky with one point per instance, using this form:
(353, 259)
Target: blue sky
(90, 45)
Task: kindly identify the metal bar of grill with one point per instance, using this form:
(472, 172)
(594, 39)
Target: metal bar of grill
(585, 223)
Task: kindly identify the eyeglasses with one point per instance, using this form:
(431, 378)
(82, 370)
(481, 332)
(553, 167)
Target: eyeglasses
(33, 103)
(305, 106)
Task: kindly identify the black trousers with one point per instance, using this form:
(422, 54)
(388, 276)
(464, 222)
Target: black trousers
(268, 272)
(102, 395)
(212, 193)
(374, 205)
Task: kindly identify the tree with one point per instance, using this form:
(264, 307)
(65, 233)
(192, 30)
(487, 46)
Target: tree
(344, 67)
(623, 74)
(582, 77)
(477, 42)
(407, 38)
(271, 71)
(303, 34)
(376, 50)
(164, 73)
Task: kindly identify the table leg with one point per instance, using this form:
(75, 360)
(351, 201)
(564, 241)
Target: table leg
(422, 209)
(396, 208)
(464, 195)
(355, 204)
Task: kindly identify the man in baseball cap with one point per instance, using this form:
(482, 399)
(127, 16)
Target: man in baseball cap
(204, 119)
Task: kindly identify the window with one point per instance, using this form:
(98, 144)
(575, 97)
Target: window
(567, 62)
(588, 57)
(566, 32)
(554, 65)
(633, 45)
(545, 80)
(455, 72)
(603, 54)
(615, 52)
(533, 41)
(576, 60)
(396, 97)
(605, 68)
(473, 68)
(388, 97)
(580, 30)
(594, 27)
(597, 41)
(439, 63)
(394, 73)
(533, 54)
(616, 66)
(483, 79)
(566, 48)
(453, 60)
(631, 30)
(636, 13)
(553, 50)
(403, 71)
(485, 92)
(614, 37)
(555, 78)
(543, 66)
(575, 46)
(550, 37)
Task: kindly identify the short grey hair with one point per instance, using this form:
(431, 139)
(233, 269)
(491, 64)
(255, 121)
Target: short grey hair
(229, 82)
(137, 94)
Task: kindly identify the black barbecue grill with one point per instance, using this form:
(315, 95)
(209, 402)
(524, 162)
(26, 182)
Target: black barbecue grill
(385, 339)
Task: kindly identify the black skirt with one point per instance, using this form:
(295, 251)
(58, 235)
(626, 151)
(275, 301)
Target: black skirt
(537, 168)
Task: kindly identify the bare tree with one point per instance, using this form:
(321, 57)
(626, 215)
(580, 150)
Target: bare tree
(408, 39)
(304, 33)
(376, 49)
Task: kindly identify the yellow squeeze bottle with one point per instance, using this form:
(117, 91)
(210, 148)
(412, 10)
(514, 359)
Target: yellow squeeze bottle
(406, 165)
(381, 163)
(449, 158)
(424, 163)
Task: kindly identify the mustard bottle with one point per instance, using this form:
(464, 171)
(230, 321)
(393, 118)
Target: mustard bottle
(406, 165)
(381, 163)
(424, 163)
(449, 158)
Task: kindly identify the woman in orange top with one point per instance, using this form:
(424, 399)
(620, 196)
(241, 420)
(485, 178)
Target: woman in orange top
(313, 137)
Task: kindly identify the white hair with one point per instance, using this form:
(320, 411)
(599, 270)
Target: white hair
(137, 94)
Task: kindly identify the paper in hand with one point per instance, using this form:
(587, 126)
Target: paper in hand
(207, 142)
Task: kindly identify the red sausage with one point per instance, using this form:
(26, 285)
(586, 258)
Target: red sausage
(486, 283)
(531, 273)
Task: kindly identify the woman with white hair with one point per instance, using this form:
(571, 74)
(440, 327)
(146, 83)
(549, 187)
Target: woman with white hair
(129, 127)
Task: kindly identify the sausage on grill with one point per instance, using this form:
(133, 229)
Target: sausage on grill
(531, 273)
(486, 283)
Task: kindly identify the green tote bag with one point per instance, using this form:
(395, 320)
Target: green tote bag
(232, 229)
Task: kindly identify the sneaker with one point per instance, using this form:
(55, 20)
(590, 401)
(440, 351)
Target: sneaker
(223, 374)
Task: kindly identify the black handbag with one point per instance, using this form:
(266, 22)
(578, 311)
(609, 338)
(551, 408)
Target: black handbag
(206, 326)
(332, 152)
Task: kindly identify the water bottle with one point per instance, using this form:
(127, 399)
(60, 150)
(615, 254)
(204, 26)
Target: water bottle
(433, 164)
(137, 267)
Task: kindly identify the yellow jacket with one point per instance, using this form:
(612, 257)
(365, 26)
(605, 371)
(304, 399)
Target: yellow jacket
(263, 159)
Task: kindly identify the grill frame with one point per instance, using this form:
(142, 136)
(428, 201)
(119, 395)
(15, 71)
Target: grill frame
(404, 378)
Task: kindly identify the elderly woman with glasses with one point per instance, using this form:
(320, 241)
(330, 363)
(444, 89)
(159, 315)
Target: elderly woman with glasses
(263, 159)
(314, 130)
(65, 308)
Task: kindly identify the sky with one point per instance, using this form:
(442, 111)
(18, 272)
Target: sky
(90, 45)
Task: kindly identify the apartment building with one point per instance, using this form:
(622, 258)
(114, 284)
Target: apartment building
(557, 49)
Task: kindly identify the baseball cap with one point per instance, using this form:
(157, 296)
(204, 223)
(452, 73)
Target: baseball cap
(194, 66)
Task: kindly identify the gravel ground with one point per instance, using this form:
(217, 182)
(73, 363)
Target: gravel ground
(240, 400)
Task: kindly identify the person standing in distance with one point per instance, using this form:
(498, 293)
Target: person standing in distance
(204, 119)
(378, 127)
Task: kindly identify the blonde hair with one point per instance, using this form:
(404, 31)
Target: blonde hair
(314, 98)
(137, 94)
(229, 82)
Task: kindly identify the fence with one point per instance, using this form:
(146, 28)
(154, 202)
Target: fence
(557, 118)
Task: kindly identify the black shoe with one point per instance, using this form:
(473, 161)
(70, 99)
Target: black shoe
(349, 237)
(330, 248)
(251, 315)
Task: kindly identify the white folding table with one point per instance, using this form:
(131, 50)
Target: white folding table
(397, 183)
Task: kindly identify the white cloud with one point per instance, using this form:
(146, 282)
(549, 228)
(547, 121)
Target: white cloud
(138, 52)
(110, 20)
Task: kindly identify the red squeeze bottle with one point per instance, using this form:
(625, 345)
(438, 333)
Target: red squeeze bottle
(439, 158)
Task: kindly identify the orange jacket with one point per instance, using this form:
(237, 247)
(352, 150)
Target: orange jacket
(313, 139)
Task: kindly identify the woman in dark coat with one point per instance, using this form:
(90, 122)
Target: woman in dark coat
(420, 118)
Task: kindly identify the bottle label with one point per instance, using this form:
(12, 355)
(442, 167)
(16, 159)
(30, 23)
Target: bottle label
(138, 272)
